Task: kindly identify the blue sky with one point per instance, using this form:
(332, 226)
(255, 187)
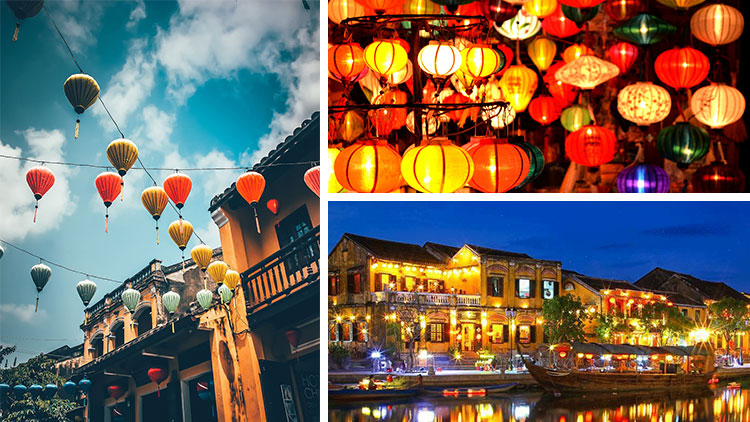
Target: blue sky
(192, 83)
(620, 240)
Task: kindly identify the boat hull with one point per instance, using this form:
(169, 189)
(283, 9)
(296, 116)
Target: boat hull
(367, 395)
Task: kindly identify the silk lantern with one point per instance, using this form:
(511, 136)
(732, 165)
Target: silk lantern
(644, 103)
(558, 25)
(217, 270)
(645, 29)
(346, 61)
(437, 167)
(178, 186)
(591, 146)
(225, 294)
(109, 186)
(536, 161)
(498, 165)
(340, 10)
(540, 8)
(86, 290)
(497, 11)
(387, 119)
(623, 55)
(40, 180)
(682, 67)
(201, 255)
(717, 24)
(580, 15)
(381, 6)
(273, 206)
(575, 117)
(520, 27)
(180, 231)
(622, 10)
(518, 85)
(718, 178)
(563, 93)
(205, 298)
(171, 300)
(643, 178)
(40, 275)
(544, 110)
(130, 298)
(250, 186)
(717, 105)
(439, 59)
(681, 4)
(542, 52)
(368, 166)
(421, 7)
(481, 61)
(157, 376)
(351, 127)
(231, 279)
(683, 143)
(385, 56)
(576, 51)
(312, 180)
(122, 154)
(82, 91)
(333, 184)
(155, 199)
(587, 72)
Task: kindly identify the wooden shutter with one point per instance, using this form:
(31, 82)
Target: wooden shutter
(532, 288)
(518, 287)
(489, 286)
(379, 282)
(427, 330)
(446, 333)
(532, 334)
(506, 333)
(557, 288)
(351, 285)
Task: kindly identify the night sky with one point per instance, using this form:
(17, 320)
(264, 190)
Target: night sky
(619, 240)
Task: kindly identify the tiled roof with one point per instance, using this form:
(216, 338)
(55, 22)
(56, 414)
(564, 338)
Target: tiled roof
(712, 290)
(443, 251)
(481, 250)
(396, 251)
(598, 283)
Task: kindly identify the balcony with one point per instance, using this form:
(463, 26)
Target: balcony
(437, 299)
(289, 269)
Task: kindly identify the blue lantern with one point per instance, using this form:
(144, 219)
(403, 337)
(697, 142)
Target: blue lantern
(35, 391)
(643, 178)
(49, 391)
(19, 391)
(4, 390)
(85, 385)
(70, 389)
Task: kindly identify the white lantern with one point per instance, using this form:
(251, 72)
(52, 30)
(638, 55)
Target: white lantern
(717, 24)
(439, 59)
(644, 103)
(586, 72)
(520, 27)
(717, 105)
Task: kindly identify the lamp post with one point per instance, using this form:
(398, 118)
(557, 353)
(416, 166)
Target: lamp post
(511, 313)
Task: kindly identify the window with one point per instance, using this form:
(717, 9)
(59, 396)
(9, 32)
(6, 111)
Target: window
(525, 288)
(684, 312)
(526, 334)
(498, 334)
(495, 285)
(353, 280)
(334, 332)
(384, 281)
(346, 331)
(569, 287)
(144, 322)
(697, 315)
(98, 345)
(551, 289)
(119, 335)
(436, 332)
(410, 283)
(362, 334)
(436, 286)
(333, 284)
(288, 230)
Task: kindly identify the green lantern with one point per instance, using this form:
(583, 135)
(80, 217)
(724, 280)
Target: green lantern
(536, 160)
(205, 297)
(578, 15)
(86, 290)
(645, 29)
(575, 117)
(683, 143)
(170, 300)
(225, 293)
(131, 298)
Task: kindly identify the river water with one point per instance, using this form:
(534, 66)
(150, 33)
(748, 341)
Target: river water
(715, 405)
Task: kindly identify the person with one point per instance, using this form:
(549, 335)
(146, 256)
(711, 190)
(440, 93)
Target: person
(420, 381)
(371, 385)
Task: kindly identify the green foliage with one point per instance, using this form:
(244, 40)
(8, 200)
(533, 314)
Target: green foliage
(38, 370)
(663, 319)
(338, 353)
(393, 331)
(606, 324)
(728, 316)
(5, 351)
(564, 317)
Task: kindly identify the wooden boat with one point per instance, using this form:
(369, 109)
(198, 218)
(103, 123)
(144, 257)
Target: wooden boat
(470, 391)
(356, 394)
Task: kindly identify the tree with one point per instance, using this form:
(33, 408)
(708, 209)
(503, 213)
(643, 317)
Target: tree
(728, 316)
(564, 317)
(37, 370)
(667, 321)
(5, 351)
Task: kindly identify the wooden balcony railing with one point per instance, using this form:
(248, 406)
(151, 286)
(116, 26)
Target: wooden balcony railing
(290, 268)
(444, 299)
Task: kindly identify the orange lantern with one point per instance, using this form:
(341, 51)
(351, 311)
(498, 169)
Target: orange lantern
(481, 61)
(250, 186)
(591, 146)
(544, 110)
(178, 186)
(368, 166)
(581, 4)
(558, 25)
(518, 85)
(498, 165)
(542, 52)
(623, 55)
(109, 185)
(312, 180)
(340, 10)
(563, 93)
(576, 51)
(644, 103)
(386, 56)
(717, 105)
(351, 127)
(622, 10)
(381, 6)
(388, 119)
(540, 8)
(40, 180)
(682, 67)
(333, 185)
(437, 166)
(273, 206)
(717, 24)
(346, 61)
(457, 116)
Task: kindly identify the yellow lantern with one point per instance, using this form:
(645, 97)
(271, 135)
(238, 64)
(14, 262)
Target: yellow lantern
(576, 51)
(437, 167)
(518, 85)
(339, 10)
(540, 8)
(201, 255)
(644, 103)
(680, 4)
(439, 59)
(717, 105)
(231, 279)
(480, 61)
(333, 185)
(421, 7)
(352, 126)
(717, 24)
(542, 52)
(368, 166)
(386, 56)
(217, 270)
(587, 72)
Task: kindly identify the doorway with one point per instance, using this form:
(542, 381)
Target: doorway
(467, 337)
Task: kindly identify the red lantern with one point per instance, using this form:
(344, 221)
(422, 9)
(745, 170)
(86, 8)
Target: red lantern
(312, 179)
(40, 180)
(387, 119)
(273, 206)
(497, 11)
(346, 62)
(292, 336)
(498, 165)
(558, 25)
(544, 110)
(470, 9)
(178, 187)
(719, 178)
(250, 186)
(623, 55)
(682, 67)
(581, 4)
(563, 93)
(381, 6)
(457, 115)
(116, 390)
(157, 375)
(591, 146)
(508, 52)
(109, 185)
(622, 10)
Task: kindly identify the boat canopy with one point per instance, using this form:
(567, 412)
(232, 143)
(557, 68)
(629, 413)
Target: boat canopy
(628, 349)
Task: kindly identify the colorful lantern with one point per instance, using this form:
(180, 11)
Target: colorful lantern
(40, 275)
(540, 8)
(580, 15)
(622, 10)
(155, 199)
(717, 24)
(131, 298)
(563, 93)
(82, 92)
(116, 391)
(544, 110)
(352, 126)
(536, 161)
(645, 29)
(340, 10)
(591, 146)
(35, 390)
(683, 143)
(520, 27)
(273, 206)
(86, 290)
(498, 165)
(542, 52)
(381, 6)
(85, 385)
(681, 4)
(421, 7)
(481, 61)
(225, 293)
(231, 279)
(499, 116)
(437, 167)
(644, 103)
(122, 153)
(587, 72)
(370, 166)
(70, 388)
(250, 186)
(171, 300)
(717, 105)
(386, 119)
(49, 391)
(333, 184)
(386, 56)
(558, 25)
(582, 4)
(109, 185)
(575, 117)
(205, 298)
(19, 391)
(201, 255)
(439, 59)
(157, 376)
(643, 178)
(623, 55)
(178, 186)
(23, 9)
(217, 270)
(682, 67)
(180, 231)
(518, 85)
(312, 180)
(718, 178)
(346, 61)
(497, 11)
(40, 180)
(576, 51)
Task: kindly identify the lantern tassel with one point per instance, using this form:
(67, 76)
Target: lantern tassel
(106, 222)
(78, 124)
(172, 327)
(15, 33)
(36, 307)
(157, 234)
(36, 207)
(122, 191)
(257, 222)
(183, 261)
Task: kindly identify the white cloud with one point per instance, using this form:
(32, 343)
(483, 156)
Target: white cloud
(218, 180)
(78, 21)
(155, 132)
(209, 234)
(17, 206)
(23, 313)
(136, 15)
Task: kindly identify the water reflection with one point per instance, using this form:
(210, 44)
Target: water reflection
(719, 405)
